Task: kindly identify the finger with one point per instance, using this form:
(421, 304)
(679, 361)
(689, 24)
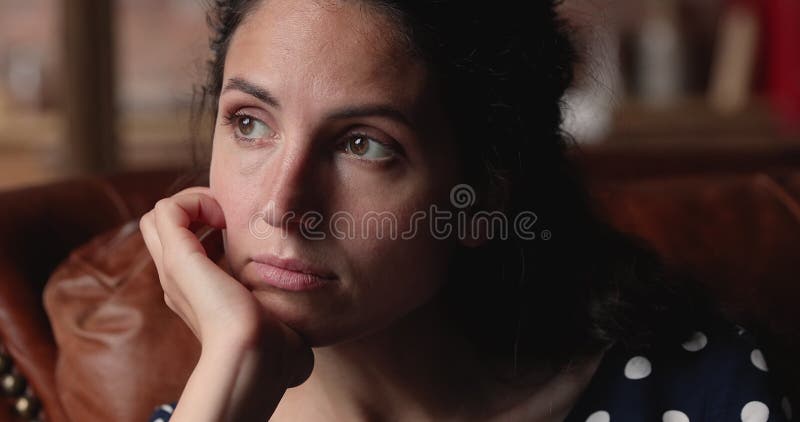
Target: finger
(173, 216)
(151, 240)
(184, 257)
(196, 226)
(196, 189)
(199, 205)
(172, 296)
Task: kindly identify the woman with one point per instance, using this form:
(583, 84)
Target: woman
(334, 117)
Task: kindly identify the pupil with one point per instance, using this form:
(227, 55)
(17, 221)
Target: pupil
(358, 146)
(245, 125)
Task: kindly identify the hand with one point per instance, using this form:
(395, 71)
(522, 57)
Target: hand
(220, 311)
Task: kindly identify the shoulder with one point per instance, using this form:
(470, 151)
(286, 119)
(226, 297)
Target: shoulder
(718, 374)
(162, 413)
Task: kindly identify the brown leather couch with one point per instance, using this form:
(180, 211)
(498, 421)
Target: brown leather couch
(110, 350)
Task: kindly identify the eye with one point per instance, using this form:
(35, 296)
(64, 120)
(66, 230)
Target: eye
(248, 129)
(367, 148)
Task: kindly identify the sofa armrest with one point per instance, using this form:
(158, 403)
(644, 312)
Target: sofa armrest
(39, 226)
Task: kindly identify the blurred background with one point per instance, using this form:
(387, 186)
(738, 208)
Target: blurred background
(90, 86)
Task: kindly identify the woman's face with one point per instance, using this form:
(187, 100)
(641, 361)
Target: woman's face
(323, 112)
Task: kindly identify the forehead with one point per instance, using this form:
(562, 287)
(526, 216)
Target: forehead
(336, 50)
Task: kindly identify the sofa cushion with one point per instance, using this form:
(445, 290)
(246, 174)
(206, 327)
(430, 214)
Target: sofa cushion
(122, 351)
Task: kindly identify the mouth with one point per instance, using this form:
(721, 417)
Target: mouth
(291, 274)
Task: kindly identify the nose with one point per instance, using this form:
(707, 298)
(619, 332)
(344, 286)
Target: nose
(291, 187)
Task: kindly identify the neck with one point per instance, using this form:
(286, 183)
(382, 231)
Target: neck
(416, 369)
(416, 365)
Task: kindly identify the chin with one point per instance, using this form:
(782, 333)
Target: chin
(318, 324)
(321, 324)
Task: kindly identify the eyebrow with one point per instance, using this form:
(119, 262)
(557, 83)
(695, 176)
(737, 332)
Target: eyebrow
(370, 110)
(263, 94)
(239, 84)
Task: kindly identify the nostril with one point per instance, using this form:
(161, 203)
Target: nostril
(290, 219)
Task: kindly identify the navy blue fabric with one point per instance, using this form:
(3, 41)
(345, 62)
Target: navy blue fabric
(718, 375)
(162, 413)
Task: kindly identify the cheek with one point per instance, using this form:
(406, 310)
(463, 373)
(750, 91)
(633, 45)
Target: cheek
(217, 178)
(394, 278)
(398, 273)
(226, 190)
(235, 196)
(230, 187)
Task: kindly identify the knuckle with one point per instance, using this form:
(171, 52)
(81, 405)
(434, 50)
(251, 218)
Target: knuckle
(145, 221)
(161, 205)
(169, 302)
(194, 189)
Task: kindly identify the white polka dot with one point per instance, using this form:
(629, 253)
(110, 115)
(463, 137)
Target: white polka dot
(159, 420)
(167, 408)
(638, 367)
(755, 411)
(674, 416)
(740, 330)
(758, 360)
(697, 342)
(787, 408)
(599, 416)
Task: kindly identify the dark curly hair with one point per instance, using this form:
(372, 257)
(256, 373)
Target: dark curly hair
(503, 69)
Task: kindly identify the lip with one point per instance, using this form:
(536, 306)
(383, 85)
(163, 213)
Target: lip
(290, 273)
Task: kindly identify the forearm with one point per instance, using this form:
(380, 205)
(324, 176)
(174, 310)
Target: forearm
(232, 383)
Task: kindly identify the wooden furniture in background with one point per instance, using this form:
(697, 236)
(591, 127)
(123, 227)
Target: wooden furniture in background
(89, 100)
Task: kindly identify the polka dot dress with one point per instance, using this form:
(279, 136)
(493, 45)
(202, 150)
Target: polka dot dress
(718, 374)
(162, 413)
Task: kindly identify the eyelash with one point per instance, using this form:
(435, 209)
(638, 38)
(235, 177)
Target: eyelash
(229, 119)
(360, 134)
